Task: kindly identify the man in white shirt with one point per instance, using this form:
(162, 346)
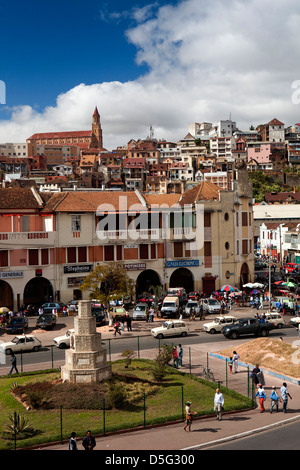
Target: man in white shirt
(218, 404)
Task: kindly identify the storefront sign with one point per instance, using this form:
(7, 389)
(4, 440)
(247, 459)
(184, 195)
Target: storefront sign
(86, 268)
(135, 267)
(182, 264)
(11, 274)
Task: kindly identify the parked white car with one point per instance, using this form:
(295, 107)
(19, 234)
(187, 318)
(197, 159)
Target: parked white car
(211, 306)
(217, 324)
(275, 318)
(21, 343)
(295, 321)
(63, 342)
(170, 328)
(192, 304)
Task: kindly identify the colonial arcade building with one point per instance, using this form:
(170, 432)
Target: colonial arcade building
(199, 240)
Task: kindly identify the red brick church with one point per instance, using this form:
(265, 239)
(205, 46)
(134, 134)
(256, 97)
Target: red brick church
(86, 140)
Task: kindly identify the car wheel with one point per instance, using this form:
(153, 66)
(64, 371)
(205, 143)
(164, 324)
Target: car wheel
(234, 335)
(35, 349)
(264, 333)
(8, 352)
(160, 336)
(212, 331)
(63, 346)
(184, 333)
(279, 326)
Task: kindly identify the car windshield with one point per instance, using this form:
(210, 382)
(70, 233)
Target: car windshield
(45, 317)
(15, 340)
(213, 302)
(169, 304)
(140, 308)
(166, 325)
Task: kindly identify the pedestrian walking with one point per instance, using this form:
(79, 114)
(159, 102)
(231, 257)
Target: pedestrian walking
(128, 321)
(189, 416)
(180, 355)
(175, 357)
(117, 328)
(261, 397)
(235, 361)
(254, 375)
(72, 442)
(285, 396)
(13, 364)
(218, 404)
(274, 400)
(230, 364)
(89, 441)
(151, 314)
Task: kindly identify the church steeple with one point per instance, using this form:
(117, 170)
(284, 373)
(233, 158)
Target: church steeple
(96, 138)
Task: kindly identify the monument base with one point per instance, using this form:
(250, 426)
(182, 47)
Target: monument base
(86, 375)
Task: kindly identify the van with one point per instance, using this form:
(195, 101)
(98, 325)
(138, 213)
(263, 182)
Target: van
(291, 267)
(170, 307)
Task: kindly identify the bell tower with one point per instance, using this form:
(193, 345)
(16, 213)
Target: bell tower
(96, 137)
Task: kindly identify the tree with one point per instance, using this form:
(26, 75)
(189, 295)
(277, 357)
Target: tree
(108, 282)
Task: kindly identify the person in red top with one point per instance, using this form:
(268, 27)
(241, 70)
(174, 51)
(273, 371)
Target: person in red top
(175, 357)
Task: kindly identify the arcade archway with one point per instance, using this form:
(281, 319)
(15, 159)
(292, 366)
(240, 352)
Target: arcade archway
(38, 291)
(145, 280)
(6, 295)
(182, 277)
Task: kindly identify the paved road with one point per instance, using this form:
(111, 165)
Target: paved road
(280, 438)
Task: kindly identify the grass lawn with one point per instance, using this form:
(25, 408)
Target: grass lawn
(148, 402)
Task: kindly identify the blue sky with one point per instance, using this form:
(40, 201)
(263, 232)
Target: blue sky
(160, 63)
(54, 45)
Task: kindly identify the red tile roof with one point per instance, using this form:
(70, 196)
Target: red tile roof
(60, 135)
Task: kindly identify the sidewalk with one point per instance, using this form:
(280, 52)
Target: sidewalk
(205, 431)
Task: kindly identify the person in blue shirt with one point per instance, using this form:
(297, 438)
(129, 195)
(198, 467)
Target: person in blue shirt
(285, 396)
(261, 397)
(274, 400)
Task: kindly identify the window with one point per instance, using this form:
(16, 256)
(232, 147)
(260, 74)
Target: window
(33, 257)
(82, 256)
(144, 251)
(25, 223)
(4, 258)
(207, 248)
(45, 256)
(109, 254)
(119, 252)
(178, 250)
(244, 219)
(71, 255)
(245, 247)
(207, 219)
(76, 223)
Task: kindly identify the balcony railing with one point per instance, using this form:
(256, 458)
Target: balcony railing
(28, 238)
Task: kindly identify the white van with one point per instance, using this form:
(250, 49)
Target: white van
(170, 307)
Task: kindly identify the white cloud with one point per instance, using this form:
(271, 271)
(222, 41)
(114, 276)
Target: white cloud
(206, 59)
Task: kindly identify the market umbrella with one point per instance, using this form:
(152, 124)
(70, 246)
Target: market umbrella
(289, 284)
(228, 288)
(279, 283)
(4, 309)
(255, 291)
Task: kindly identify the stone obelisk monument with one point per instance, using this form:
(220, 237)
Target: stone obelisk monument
(86, 359)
